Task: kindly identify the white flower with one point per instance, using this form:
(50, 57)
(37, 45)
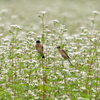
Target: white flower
(83, 88)
(62, 26)
(93, 39)
(0, 18)
(80, 98)
(5, 39)
(16, 26)
(65, 96)
(31, 32)
(51, 56)
(98, 50)
(74, 48)
(1, 34)
(47, 31)
(29, 91)
(92, 20)
(4, 11)
(55, 21)
(43, 12)
(95, 12)
(85, 30)
(62, 87)
(82, 28)
(38, 36)
(65, 30)
(93, 90)
(14, 16)
(1, 25)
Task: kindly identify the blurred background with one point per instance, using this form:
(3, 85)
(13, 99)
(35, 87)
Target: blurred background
(72, 13)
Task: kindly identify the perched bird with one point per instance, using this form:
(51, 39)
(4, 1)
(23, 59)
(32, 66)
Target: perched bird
(64, 54)
(39, 48)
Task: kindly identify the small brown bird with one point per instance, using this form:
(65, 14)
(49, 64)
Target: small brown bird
(64, 54)
(39, 48)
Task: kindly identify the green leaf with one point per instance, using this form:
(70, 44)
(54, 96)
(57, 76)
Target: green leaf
(21, 63)
(40, 87)
(39, 57)
(51, 98)
(46, 87)
(62, 46)
(84, 67)
(59, 79)
(16, 99)
(95, 50)
(86, 99)
(14, 36)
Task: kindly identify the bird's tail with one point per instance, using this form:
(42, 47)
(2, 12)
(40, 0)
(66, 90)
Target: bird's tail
(43, 56)
(70, 62)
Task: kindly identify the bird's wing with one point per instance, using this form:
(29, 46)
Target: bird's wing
(36, 47)
(42, 48)
(66, 54)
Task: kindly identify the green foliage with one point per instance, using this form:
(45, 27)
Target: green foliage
(4, 93)
(24, 75)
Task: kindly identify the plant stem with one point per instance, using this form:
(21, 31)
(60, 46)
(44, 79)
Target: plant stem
(12, 63)
(43, 81)
(44, 77)
(97, 76)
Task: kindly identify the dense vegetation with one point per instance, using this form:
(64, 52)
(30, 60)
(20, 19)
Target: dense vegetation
(24, 75)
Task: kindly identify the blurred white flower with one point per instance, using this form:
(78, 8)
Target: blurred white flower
(47, 31)
(61, 82)
(0, 18)
(39, 36)
(85, 30)
(83, 73)
(93, 39)
(51, 56)
(66, 70)
(96, 12)
(16, 26)
(1, 34)
(31, 32)
(6, 40)
(14, 17)
(92, 20)
(2, 25)
(83, 88)
(93, 90)
(55, 21)
(75, 48)
(62, 26)
(19, 51)
(98, 50)
(4, 11)
(80, 98)
(29, 91)
(77, 53)
(30, 38)
(82, 28)
(65, 30)
(43, 12)
(64, 96)
(62, 87)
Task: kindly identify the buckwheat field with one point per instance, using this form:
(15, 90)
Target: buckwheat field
(72, 24)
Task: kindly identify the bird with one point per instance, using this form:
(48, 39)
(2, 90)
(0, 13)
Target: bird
(39, 48)
(64, 54)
